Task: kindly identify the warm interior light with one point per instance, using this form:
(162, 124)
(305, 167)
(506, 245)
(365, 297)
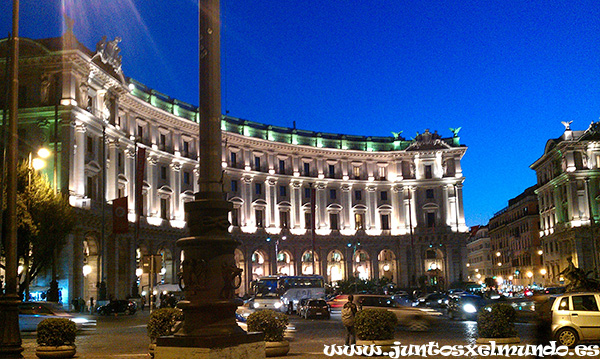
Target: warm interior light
(543, 271)
(139, 272)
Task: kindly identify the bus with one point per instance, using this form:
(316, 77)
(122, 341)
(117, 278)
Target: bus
(289, 289)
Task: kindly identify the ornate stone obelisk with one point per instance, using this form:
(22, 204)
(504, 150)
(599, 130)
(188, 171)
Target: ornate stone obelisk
(210, 275)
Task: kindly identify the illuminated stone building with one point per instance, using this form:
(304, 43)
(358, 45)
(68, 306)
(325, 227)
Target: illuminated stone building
(479, 255)
(515, 243)
(384, 206)
(568, 177)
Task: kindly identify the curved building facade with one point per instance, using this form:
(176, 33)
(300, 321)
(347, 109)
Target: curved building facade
(382, 206)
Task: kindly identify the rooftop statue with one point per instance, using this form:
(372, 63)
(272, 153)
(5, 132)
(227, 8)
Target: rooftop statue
(567, 125)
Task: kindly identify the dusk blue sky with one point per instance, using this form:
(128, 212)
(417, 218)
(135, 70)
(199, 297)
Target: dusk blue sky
(507, 72)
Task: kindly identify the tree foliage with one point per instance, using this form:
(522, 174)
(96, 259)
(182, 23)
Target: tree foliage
(44, 219)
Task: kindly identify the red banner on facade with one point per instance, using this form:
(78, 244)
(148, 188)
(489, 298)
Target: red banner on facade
(120, 222)
(139, 185)
(139, 179)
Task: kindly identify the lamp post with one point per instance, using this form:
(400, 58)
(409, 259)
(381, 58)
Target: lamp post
(10, 337)
(33, 164)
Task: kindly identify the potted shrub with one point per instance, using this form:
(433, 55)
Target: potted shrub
(376, 326)
(56, 338)
(162, 322)
(273, 325)
(497, 323)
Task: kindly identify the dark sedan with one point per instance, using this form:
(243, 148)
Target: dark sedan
(117, 306)
(316, 308)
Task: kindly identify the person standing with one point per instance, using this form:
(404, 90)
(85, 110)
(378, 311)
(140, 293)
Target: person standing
(91, 305)
(348, 313)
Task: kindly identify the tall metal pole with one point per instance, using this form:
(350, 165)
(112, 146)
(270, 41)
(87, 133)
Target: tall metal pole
(209, 273)
(10, 337)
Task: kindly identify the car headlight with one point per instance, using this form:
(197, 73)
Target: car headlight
(469, 308)
(256, 305)
(278, 305)
(79, 320)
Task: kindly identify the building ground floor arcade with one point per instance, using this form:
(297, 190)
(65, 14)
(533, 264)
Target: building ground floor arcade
(438, 258)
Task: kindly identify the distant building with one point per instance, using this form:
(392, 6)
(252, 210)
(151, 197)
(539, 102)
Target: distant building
(479, 257)
(515, 243)
(385, 206)
(568, 177)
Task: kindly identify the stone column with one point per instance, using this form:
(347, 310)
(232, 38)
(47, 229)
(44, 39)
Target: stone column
(79, 161)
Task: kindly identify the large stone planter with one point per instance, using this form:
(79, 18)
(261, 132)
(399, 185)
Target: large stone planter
(385, 345)
(63, 351)
(512, 340)
(277, 349)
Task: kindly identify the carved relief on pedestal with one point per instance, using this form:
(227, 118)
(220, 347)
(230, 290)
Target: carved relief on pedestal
(232, 279)
(194, 276)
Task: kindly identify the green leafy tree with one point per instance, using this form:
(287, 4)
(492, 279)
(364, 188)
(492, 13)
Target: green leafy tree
(44, 219)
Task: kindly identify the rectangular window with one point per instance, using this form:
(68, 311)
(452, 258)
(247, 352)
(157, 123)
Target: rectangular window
(258, 215)
(429, 193)
(164, 208)
(284, 219)
(358, 195)
(186, 148)
(140, 132)
(120, 161)
(186, 178)
(163, 172)
(428, 171)
(359, 220)
(384, 196)
(307, 220)
(333, 221)
(257, 163)
(233, 159)
(307, 192)
(331, 171)
(382, 173)
(356, 172)
(385, 222)
(430, 219)
(91, 191)
(89, 144)
(282, 191)
(258, 188)
(332, 194)
(234, 185)
(306, 169)
(235, 215)
(282, 166)
(163, 140)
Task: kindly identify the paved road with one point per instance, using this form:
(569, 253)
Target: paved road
(125, 337)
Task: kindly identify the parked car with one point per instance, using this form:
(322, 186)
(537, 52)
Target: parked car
(32, 313)
(465, 307)
(117, 306)
(414, 318)
(575, 318)
(317, 308)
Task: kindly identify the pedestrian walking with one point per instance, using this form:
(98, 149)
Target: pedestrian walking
(348, 313)
(143, 302)
(91, 305)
